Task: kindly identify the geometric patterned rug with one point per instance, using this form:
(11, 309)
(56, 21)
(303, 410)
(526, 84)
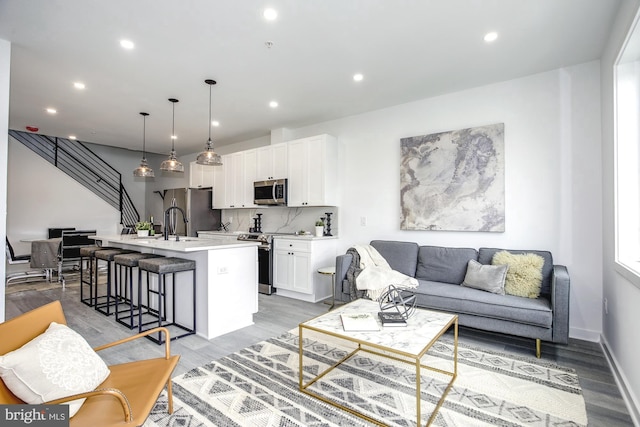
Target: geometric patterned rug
(258, 386)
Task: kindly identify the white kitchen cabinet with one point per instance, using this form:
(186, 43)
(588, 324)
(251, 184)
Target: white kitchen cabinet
(219, 196)
(312, 172)
(250, 164)
(295, 267)
(234, 186)
(200, 176)
(271, 162)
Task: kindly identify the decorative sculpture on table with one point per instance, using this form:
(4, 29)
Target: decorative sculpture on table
(328, 224)
(399, 300)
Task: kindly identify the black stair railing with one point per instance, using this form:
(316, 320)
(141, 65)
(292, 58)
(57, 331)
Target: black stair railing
(86, 167)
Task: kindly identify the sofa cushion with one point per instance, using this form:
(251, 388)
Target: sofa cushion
(441, 264)
(490, 278)
(463, 300)
(401, 256)
(524, 274)
(485, 256)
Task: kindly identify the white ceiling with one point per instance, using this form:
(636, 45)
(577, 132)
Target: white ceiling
(406, 49)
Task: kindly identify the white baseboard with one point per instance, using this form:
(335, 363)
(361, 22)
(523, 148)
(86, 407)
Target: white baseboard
(584, 334)
(627, 394)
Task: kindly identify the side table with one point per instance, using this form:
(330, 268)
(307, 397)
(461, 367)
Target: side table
(332, 272)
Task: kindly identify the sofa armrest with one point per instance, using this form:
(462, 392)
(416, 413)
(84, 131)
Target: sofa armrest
(342, 265)
(560, 303)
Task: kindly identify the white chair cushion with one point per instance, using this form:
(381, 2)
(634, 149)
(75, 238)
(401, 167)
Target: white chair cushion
(53, 365)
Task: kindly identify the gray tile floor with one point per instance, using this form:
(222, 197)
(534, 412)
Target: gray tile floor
(605, 406)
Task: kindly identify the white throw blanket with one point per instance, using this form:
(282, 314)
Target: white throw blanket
(377, 275)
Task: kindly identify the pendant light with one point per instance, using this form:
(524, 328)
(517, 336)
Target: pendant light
(144, 171)
(208, 156)
(172, 164)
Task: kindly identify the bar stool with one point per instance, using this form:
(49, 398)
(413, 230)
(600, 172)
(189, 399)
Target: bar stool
(162, 267)
(124, 292)
(89, 253)
(106, 255)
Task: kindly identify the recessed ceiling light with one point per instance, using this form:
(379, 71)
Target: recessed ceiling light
(215, 123)
(51, 110)
(358, 77)
(127, 44)
(174, 137)
(273, 104)
(79, 85)
(270, 14)
(72, 137)
(490, 37)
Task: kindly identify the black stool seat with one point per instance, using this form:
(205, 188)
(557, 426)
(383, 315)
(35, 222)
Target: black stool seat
(124, 289)
(89, 251)
(167, 265)
(160, 315)
(108, 254)
(131, 259)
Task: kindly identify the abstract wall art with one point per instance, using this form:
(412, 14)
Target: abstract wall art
(454, 180)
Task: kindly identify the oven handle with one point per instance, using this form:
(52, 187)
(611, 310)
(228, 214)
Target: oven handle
(273, 192)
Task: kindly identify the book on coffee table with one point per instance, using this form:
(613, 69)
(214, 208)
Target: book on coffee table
(359, 322)
(391, 319)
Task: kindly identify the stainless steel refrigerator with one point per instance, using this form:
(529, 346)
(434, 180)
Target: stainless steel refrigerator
(196, 203)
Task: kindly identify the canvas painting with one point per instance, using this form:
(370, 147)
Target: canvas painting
(454, 180)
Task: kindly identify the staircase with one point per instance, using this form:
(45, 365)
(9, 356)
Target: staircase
(79, 162)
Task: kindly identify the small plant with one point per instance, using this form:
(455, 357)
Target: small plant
(319, 223)
(143, 225)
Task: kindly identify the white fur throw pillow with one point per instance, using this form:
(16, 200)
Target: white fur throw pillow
(53, 365)
(524, 276)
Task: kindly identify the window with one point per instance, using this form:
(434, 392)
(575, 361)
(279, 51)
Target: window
(627, 178)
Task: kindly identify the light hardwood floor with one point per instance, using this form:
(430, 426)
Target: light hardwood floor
(605, 406)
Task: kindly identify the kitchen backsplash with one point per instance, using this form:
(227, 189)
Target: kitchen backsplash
(277, 219)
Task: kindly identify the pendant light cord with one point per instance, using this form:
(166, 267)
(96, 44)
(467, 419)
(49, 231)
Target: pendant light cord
(173, 127)
(173, 123)
(210, 112)
(144, 136)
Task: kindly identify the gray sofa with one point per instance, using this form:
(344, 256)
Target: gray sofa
(441, 270)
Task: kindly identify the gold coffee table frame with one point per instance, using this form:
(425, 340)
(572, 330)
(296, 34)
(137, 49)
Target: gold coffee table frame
(382, 343)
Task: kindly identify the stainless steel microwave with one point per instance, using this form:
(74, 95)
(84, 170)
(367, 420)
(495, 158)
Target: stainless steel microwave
(271, 192)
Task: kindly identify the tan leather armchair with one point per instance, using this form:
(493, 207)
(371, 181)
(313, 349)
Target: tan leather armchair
(125, 398)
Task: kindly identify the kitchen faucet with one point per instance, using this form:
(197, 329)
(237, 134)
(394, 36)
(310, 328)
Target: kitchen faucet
(166, 221)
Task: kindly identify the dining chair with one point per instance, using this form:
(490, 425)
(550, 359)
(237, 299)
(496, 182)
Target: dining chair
(55, 233)
(72, 241)
(12, 259)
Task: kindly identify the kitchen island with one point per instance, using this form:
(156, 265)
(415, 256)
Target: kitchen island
(226, 278)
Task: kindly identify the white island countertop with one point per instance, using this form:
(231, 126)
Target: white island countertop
(185, 244)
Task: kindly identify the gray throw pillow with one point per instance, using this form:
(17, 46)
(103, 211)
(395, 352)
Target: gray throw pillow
(488, 278)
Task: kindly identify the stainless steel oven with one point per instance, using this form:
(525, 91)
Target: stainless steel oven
(265, 261)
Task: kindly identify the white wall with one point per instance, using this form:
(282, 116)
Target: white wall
(620, 325)
(39, 196)
(553, 173)
(5, 63)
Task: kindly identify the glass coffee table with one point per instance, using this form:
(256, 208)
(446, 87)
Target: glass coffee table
(405, 344)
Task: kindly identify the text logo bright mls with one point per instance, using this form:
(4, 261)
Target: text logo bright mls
(34, 415)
